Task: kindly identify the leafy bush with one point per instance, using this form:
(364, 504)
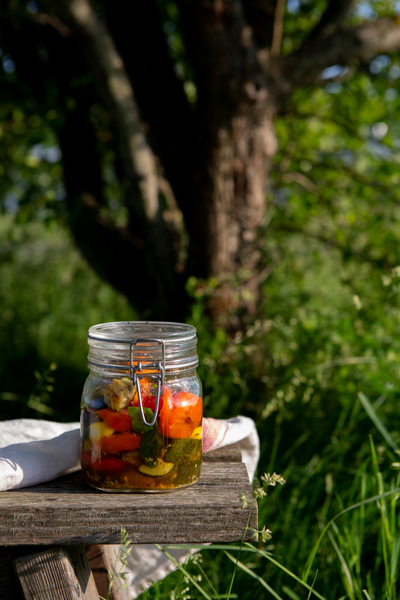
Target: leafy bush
(49, 298)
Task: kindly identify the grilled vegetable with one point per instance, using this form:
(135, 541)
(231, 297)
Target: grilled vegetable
(119, 393)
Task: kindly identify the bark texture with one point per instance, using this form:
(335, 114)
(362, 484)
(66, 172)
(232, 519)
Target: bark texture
(235, 135)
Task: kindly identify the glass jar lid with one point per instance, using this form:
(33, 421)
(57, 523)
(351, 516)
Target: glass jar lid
(118, 346)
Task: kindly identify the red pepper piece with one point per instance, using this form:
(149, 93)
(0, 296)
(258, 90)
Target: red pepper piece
(149, 402)
(121, 442)
(118, 420)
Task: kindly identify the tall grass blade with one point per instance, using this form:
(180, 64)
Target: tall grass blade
(207, 579)
(395, 558)
(370, 410)
(252, 574)
(312, 587)
(186, 574)
(361, 526)
(276, 563)
(342, 512)
(343, 563)
(368, 597)
(240, 549)
(244, 548)
(290, 593)
(385, 527)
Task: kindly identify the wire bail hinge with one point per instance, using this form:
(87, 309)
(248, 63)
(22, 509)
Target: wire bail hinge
(158, 374)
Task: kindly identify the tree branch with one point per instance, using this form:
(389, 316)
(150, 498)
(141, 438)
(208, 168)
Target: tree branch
(159, 93)
(126, 257)
(278, 28)
(138, 163)
(140, 177)
(303, 67)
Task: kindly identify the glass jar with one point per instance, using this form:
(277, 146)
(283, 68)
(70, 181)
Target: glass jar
(141, 409)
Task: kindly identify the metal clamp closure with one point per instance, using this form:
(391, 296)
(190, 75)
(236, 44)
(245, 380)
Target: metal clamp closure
(135, 375)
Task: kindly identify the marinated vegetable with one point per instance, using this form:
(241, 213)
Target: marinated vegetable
(180, 415)
(120, 421)
(121, 452)
(119, 393)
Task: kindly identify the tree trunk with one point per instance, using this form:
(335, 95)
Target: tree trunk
(235, 178)
(193, 177)
(237, 140)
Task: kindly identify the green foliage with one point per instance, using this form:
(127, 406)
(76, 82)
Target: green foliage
(336, 526)
(328, 318)
(326, 338)
(49, 298)
(31, 175)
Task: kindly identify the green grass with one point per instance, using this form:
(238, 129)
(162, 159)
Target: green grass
(336, 526)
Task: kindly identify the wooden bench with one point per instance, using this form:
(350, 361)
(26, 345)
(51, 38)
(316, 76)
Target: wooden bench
(70, 522)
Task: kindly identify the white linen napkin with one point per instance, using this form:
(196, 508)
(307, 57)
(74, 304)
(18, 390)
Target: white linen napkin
(34, 451)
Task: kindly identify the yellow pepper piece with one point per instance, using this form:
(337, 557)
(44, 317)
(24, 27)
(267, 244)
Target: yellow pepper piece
(197, 433)
(99, 430)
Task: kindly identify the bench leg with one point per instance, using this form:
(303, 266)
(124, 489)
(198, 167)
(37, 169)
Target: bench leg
(102, 560)
(56, 574)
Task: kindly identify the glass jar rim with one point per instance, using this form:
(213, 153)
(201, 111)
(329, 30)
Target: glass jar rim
(125, 331)
(117, 345)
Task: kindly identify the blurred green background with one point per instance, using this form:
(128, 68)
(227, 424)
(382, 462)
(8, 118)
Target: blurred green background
(327, 330)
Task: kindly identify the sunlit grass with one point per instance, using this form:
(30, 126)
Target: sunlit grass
(346, 545)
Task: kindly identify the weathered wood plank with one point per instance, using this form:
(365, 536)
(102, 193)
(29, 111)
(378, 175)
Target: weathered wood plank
(67, 511)
(229, 453)
(56, 574)
(9, 587)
